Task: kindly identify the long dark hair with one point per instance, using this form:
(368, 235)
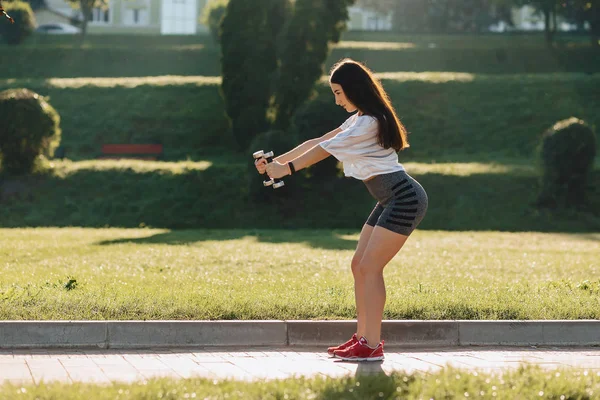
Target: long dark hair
(367, 94)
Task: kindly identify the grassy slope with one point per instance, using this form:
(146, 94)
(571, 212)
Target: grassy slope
(117, 56)
(465, 116)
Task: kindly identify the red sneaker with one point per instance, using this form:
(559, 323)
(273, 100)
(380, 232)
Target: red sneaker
(359, 351)
(343, 346)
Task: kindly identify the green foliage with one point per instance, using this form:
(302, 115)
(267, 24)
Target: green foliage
(248, 41)
(87, 7)
(314, 25)
(548, 9)
(566, 154)
(36, 4)
(410, 16)
(24, 24)
(581, 11)
(445, 15)
(315, 118)
(30, 128)
(212, 16)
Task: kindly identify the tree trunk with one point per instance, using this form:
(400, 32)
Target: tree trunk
(547, 31)
(86, 11)
(595, 27)
(554, 19)
(595, 34)
(446, 17)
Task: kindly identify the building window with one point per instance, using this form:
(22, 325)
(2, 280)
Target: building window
(100, 16)
(136, 12)
(178, 17)
(136, 16)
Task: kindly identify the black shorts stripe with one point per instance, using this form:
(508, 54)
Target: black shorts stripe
(404, 189)
(399, 223)
(407, 195)
(408, 203)
(402, 182)
(404, 217)
(404, 210)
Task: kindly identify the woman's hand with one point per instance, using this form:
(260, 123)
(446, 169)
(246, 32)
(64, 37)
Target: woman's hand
(261, 165)
(277, 170)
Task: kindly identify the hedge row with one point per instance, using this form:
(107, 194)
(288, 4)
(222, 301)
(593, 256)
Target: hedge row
(217, 197)
(478, 120)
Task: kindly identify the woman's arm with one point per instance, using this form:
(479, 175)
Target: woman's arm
(304, 147)
(276, 169)
(301, 149)
(312, 156)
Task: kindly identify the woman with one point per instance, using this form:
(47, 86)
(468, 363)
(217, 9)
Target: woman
(367, 144)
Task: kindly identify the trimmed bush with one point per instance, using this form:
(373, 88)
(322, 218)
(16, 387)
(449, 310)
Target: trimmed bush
(315, 118)
(566, 154)
(24, 22)
(306, 40)
(212, 16)
(248, 42)
(30, 129)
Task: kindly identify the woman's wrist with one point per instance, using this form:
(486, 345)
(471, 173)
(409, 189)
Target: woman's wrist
(290, 166)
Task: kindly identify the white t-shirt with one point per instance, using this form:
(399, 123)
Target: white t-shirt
(357, 148)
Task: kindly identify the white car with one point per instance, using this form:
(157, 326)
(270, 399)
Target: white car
(58, 28)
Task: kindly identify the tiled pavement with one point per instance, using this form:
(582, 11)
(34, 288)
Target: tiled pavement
(33, 366)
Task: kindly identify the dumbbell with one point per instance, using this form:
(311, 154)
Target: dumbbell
(277, 183)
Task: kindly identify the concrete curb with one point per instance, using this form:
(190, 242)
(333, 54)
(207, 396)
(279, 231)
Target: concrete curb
(145, 334)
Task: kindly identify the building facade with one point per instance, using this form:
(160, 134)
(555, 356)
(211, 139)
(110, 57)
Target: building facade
(182, 17)
(166, 17)
(367, 20)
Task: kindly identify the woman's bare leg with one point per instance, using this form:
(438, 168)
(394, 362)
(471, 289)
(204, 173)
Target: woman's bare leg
(382, 247)
(359, 281)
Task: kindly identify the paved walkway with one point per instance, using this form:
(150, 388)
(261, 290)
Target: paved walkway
(33, 366)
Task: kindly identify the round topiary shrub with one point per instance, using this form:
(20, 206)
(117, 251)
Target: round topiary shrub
(23, 26)
(30, 129)
(314, 119)
(566, 154)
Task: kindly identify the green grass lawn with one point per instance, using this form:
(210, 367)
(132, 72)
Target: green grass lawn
(139, 274)
(449, 383)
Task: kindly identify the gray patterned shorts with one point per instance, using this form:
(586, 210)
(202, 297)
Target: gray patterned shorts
(401, 202)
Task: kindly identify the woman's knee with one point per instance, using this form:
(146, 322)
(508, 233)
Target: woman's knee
(365, 268)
